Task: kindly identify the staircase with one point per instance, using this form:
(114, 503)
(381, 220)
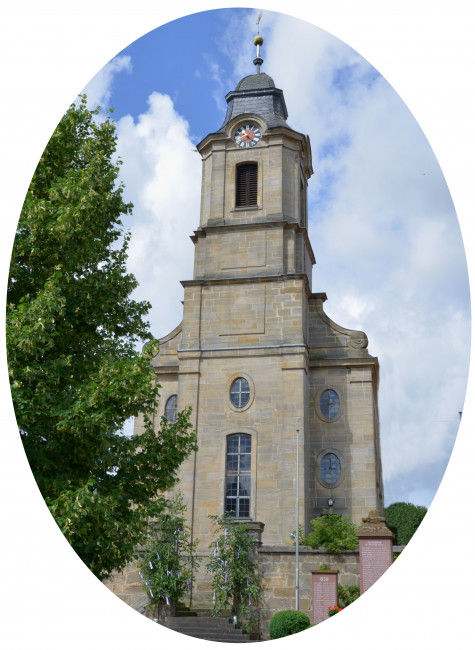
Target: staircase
(207, 627)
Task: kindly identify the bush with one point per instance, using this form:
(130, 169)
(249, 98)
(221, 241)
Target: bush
(333, 532)
(288, 622)
(404, 519)
(347, 595)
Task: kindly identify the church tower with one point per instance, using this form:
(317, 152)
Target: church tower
(255, 355)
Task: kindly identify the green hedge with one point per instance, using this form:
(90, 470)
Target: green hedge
(288, 622)
(404, 519)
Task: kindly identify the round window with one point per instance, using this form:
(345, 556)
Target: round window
(239, 392)
(330, 469)
(329, 404)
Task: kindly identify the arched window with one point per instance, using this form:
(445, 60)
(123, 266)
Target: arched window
(171, 408)
(246, 185)
(238, 475)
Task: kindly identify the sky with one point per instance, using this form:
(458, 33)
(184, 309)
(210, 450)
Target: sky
(49, 50)
(382, 223)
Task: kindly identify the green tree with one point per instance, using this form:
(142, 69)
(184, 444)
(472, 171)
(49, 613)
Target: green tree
(332, 532)
(236, 580)
(72, 334)
(168, 564)
(404, 519)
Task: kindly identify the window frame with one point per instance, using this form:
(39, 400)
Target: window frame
(231, 380)
(247, 184)
(318, 409)
(173, 408)
(341, 459)
(239, 474)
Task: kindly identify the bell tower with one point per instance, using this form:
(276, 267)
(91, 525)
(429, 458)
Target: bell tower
(255, 356)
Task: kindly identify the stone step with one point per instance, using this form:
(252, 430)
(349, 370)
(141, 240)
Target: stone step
(205, 627)
(198, 621)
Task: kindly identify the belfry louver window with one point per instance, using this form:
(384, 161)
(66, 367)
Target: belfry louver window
(246, 185)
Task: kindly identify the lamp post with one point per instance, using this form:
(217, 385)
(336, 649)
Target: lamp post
(297, 532)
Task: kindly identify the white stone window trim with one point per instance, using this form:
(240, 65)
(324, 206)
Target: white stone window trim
(339, 455)
(318, 411)
(252, 391)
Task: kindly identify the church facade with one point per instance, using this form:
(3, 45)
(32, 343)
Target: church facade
(255, 355)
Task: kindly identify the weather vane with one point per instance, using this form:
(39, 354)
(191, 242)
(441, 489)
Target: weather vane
(258, 21)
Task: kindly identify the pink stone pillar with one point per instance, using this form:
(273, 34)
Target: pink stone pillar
(324, 594)
(376, 549)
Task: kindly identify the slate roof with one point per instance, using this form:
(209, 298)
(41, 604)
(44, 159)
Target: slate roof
(257, 94)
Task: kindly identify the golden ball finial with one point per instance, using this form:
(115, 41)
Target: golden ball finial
(258, 40)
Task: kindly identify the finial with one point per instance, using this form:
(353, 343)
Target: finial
(258, 41)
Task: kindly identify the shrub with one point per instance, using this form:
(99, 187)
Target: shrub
(404, 519)
(288, 622)
(333, 532)
(347, 595)
(334, 610)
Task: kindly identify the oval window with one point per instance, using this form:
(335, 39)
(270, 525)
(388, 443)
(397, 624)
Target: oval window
(239, 392)
(330, 469)
(329, 404)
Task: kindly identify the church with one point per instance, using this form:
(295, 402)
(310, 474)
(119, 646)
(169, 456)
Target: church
(256, 356)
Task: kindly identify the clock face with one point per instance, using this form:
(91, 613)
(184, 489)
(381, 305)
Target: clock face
(247, 135)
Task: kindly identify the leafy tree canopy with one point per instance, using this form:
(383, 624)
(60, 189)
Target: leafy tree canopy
(332, 532)
(404, 519)
(72, 334)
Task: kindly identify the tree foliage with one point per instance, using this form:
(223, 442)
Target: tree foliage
(332, 532)
(167, 566)
(404, 519)
(236, 580)
(72, 334)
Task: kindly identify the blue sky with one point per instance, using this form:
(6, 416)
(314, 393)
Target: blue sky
(381, 221)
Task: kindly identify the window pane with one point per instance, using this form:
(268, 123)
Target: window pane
(231, 506)
(330, 469)
(244, 486)
(244, 508)
(238, 469)
(240, 392)
(171, 408)
(231, 487)
(232, 463)
(245, 463)
(329, 404)
(233, 444)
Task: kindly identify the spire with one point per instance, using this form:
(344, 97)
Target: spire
(258, 41)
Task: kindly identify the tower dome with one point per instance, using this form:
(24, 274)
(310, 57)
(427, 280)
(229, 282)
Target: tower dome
(257, 94)
(254, 81)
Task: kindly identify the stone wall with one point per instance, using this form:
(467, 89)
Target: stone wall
(277, 563)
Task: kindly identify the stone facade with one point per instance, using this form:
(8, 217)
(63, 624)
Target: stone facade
(249, 312)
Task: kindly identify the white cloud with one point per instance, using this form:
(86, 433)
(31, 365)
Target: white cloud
(386, 239)
(162, 175)
(99, 89)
